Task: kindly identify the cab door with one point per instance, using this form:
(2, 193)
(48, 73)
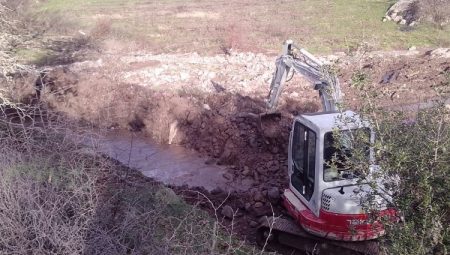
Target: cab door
(302, 160)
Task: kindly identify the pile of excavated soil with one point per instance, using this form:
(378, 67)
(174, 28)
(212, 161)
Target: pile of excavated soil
(201, 103)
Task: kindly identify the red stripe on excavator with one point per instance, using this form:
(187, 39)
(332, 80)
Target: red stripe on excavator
(348, 227)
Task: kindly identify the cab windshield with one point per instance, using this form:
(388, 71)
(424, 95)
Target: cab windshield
(341, 150)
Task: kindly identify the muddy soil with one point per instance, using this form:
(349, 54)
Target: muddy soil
(200, 103)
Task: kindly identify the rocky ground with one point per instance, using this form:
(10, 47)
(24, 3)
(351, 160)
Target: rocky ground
(200, 103)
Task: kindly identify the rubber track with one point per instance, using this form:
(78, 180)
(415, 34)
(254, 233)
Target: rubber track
(290, 227)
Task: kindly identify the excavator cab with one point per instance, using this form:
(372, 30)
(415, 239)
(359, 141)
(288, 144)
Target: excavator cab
(325, 195)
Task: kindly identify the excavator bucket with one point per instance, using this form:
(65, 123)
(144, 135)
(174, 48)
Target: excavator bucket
(268, 123)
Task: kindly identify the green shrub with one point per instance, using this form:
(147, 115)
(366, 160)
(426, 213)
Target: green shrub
(413, 145)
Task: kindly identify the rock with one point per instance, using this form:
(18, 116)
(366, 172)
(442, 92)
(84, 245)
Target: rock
(253, 224)
(397, 19)
(168, 196)
(262, 210)
(227, 212)
(258, 196)
(211, 75)
(440, 53)
(389, 76)
(255, 176)
(87, 151)
(403, 12)
(412, 48)
(210, 161)
(240, 204)
(274, 195)
(261, 170)
(247, 206)
(246, 171)
(253, 142)
(258, 205)
(217, 87)
(217, 191)
(247, 182)
(184, 76)
(206, 107)
(275, 150)
(227, 153)
(274, 168)
(228, 176)
(136, 125)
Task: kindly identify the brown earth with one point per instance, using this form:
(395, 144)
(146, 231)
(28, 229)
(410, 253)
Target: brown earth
(177, 99)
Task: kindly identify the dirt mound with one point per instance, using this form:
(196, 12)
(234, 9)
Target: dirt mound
(204, 114)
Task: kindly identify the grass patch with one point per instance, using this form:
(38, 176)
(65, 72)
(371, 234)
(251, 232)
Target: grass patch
(203, 26)
(75, 5)
(33, 55)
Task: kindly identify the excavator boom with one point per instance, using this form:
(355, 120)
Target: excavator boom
(297, 60)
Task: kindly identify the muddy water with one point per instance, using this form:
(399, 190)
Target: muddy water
(169, 164)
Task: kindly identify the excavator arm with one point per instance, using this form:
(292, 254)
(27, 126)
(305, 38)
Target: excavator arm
(297, 60)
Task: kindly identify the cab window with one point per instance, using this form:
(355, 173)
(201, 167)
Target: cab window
(303, 160)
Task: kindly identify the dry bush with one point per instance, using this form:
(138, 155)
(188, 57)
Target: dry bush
(234, 37)
(40, 217)
(102, 29)
(47, 190)
(58, 197)
(438, 11)
(434, 11)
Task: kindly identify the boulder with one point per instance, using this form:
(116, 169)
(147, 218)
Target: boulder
(246, 171)
(227, 212)
(258, 205)
(253, 224)
(403, 12)
(258, 197)
(228, 176)
(273, 194)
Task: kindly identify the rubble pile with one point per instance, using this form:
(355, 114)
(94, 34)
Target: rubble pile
(243, 70)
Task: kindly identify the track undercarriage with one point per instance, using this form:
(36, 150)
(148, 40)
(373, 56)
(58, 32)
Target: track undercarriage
(287, 232)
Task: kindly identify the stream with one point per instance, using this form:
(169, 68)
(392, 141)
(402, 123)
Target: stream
(169, 164)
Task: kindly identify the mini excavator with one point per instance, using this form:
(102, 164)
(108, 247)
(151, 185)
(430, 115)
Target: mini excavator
(325, 201)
